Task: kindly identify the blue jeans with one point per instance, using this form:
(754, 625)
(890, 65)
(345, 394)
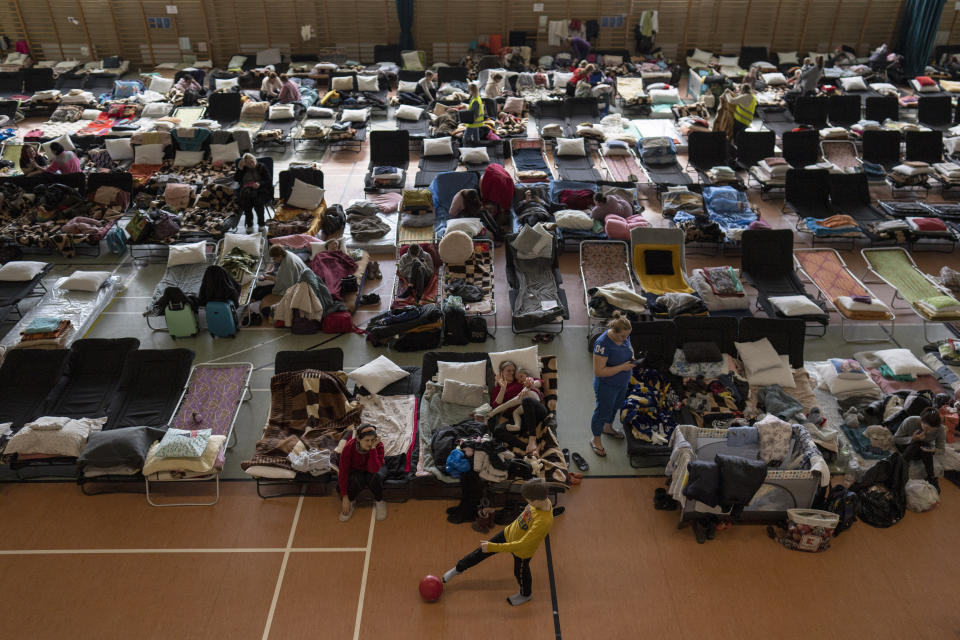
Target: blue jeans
(471, 137)
(609, 402)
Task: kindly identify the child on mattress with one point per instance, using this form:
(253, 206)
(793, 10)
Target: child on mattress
(361, 467)
(521, 538)
(919, 437)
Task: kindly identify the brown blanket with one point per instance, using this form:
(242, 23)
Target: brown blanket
(307, 406)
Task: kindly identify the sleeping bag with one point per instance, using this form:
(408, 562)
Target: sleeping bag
(496, 185)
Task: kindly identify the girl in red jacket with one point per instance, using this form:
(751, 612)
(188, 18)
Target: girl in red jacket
(361, 467)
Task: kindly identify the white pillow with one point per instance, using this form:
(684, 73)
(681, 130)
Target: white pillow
(305, 196)
(729, 61)
(573, 219)
(657, 86)
(376, 375)
(407, 86)
(21, 270)
(903, 362)
(883, 87)
(701, 56)
(64, 141)
(84, 280)
(465, 372)
(796, 306)
(368, 83)
(281, 112)
(528, 358)
(919, 88)
(247, 244)
(757, 356)
(161, 84)
(411, 60)
(269, 56)
(437, 146)
(90, 114)
(456, 247)
(615, 150)
(774, 79)
(475, 155)
(788, 57)
(664, 96)
(319, 112)
(571, 147)
(342, 83)
(148, 154)
(68, 440)
(156, 110)
(237, 62)
(193, 253)
(119, 148)
(470, 226)
(409, 112)
(188, 158)
(779, 374)
(229, 83)
(467, 395)
(560, 79)
(226, 153)
(842, 387)
(334, 244)
(354, 115)
(854, 83)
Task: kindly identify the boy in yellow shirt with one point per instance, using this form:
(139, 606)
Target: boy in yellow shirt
(522, 538)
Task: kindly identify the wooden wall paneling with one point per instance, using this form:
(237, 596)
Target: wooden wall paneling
(12, 21)
(673, 17)
(789, 27)
(730, 16)
(102, 28)
(760, 24)
(881, 24)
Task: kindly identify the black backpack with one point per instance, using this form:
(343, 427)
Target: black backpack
(477, 329)
(455, 330)
(334, 220)
(845, 504)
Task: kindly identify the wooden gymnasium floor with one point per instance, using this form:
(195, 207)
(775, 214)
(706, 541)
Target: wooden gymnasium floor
(113, 567)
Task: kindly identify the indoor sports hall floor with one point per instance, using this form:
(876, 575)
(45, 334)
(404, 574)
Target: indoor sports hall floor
(111, 566)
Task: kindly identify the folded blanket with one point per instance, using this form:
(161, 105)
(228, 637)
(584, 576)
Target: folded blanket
(42, 325)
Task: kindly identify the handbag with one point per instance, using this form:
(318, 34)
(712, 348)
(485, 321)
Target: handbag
(138, 227)
(349, 284)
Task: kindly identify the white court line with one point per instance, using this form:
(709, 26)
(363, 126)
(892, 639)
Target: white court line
(121, 313)
(87, 552)
(363, 580)
(283, 567)
(256, 346)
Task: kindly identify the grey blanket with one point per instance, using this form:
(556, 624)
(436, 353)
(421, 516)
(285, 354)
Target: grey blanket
(186, 277)
(436, 414)
(536, 288)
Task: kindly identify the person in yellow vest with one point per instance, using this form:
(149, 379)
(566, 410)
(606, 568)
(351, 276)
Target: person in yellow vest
(744, 105)
(475, 125)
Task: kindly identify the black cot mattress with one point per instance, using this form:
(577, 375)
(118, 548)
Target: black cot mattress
(89, 378)
(150, 387)
(26, 378)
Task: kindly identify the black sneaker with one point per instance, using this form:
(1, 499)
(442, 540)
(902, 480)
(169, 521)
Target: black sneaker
(699, 531)
(936, 484)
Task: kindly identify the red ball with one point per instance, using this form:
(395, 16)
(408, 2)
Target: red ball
(431, 588)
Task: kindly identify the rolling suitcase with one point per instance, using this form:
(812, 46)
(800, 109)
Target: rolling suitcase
(181, 320)
(222, 319)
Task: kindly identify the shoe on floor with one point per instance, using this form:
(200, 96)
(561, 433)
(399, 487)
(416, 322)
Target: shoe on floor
(345, 518)
(381, 508)
(517, 599)
(249, 229)
(450, 575)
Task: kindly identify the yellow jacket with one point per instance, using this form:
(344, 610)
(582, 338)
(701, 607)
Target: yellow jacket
(479, 118)
(525, 534)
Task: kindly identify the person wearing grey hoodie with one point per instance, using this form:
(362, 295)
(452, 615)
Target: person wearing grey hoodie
(919, 437)
(416, 267)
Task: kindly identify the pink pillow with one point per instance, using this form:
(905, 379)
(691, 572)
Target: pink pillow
(618, 228)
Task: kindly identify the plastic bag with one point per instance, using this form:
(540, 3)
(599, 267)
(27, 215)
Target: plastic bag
(921, 495)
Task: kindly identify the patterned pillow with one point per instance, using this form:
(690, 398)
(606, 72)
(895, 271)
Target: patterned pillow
(180, 443)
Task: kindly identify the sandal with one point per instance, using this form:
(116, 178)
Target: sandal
(615, 434)
(600, 451)
(566, 456)
(580, 462)
(546, 338)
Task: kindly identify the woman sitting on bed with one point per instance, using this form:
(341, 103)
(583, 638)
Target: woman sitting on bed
(271, 85)
(612, 205)
(31, 162)
(63, 161)
(361, 467)
(288, 270)
(289, 91)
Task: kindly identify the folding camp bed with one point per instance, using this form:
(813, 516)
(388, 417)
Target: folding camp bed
(603, 263)
(101, 83)
(550, 112)
(730, 209)
(188, 116)
(87, 384)
(923, 146)
(432, 166)
(495, 155)
(579, 168)
(417, 129)
(706, 150)
(538, 303)
(807, 194)
(11, 84)
(529, 162)
(81, 308)
(579, 111)
(37, 79)
(186, 277)
(881, 108)
(568, 237)
(842, 154)
(631, 94)
(69, 81)
(388, 149)
(658, 262)
(403, 294)
(767, 264)
(212, 400)
(863, 96)
(850, 194)
(247, 278)
(727, 305)
(882, 148)
(801, 148)
(444, 187)
(930, 300)
(13, 293)
(811, 111)
(838, 287)
(935, 112)
(752, 147)
(27, 376)
(843, 111)
(622, 169)
(776, 119)
(476, 271)
(285, 214)
(664, 176)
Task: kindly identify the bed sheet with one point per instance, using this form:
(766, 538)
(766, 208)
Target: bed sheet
(384, 244)
(396, 420)
(436, 414)
(477, 271)
(186, 277)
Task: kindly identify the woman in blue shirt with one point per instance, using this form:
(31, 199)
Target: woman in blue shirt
(612, 365)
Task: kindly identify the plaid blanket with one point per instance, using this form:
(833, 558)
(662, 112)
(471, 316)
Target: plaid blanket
(307, 407)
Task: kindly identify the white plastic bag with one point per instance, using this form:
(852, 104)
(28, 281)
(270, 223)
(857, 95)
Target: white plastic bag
(921, 495)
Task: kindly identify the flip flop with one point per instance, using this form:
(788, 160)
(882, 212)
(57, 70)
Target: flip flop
(580, 462)
(615, 434)
(546, 338)
(566, 456)
(600, 451)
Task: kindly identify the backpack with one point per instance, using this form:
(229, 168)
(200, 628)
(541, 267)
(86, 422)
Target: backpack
(477, 329)
(455, 329)
(419, 340)
(845, 504)
(116, 240)
(334, 220)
